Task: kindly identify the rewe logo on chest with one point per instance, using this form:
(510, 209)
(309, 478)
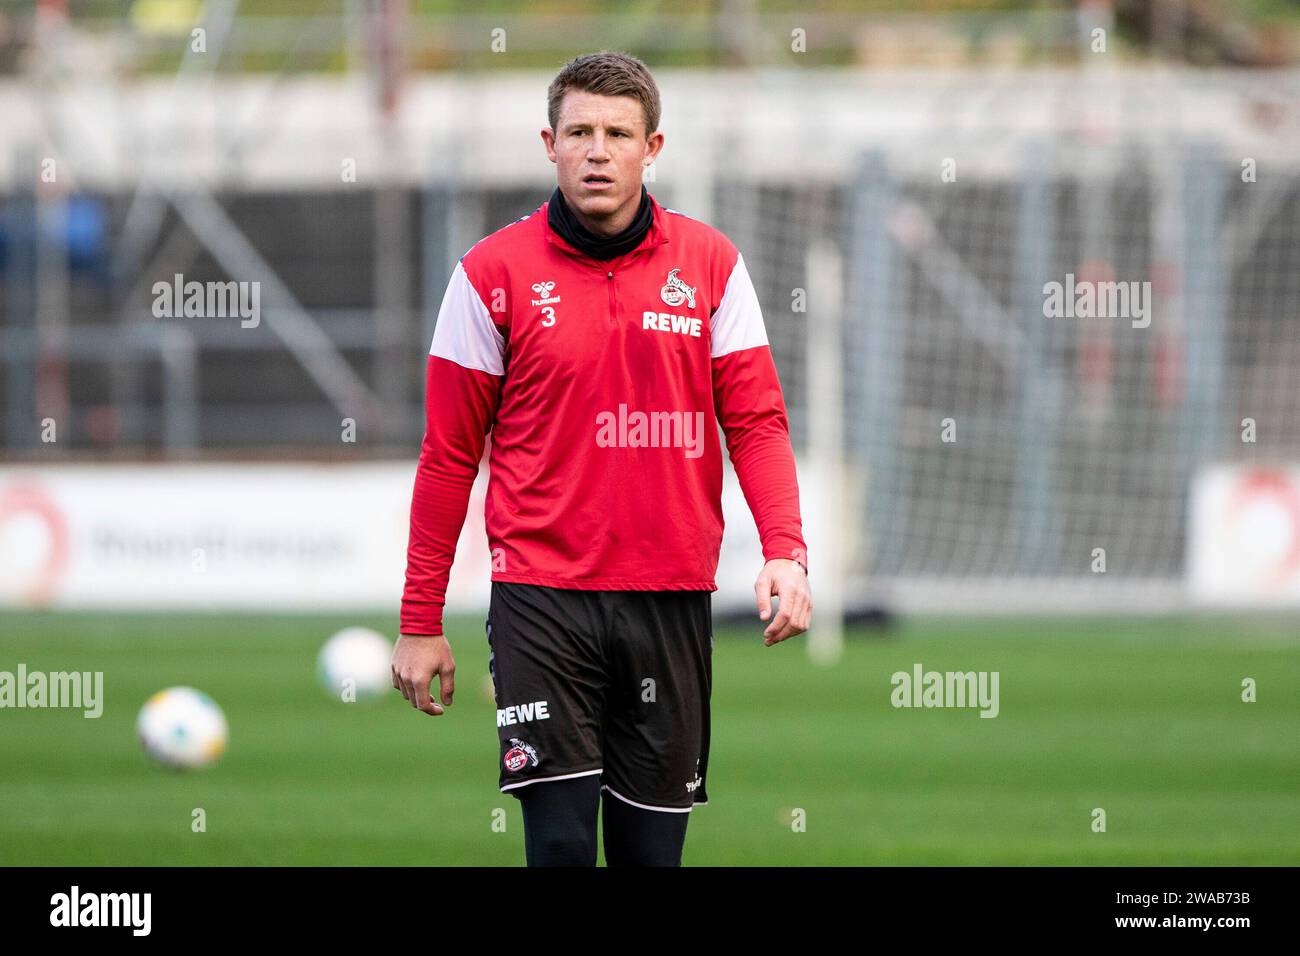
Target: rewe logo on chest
(668, 322)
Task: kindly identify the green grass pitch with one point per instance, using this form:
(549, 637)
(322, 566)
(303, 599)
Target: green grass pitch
(1142, 718)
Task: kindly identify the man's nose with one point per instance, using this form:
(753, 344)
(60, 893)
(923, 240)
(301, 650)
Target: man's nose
(597, 150)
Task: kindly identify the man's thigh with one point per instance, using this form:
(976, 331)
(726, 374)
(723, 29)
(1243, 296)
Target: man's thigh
(656, 721)
(549, 679)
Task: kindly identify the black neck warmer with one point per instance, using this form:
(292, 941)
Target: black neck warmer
(561, 219)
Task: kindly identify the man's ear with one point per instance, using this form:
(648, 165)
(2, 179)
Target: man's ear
(548, 139)
(654, 145)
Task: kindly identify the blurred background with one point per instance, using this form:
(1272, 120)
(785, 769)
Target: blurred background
(1106, 509)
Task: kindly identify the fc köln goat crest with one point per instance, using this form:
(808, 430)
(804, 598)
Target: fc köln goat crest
(675, 291)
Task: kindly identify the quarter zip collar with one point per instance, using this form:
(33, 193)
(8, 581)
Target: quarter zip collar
(656, 235)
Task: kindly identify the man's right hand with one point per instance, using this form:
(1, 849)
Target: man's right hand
(416, 660)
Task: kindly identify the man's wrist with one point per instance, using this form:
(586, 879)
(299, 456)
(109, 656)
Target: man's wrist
(797, 561)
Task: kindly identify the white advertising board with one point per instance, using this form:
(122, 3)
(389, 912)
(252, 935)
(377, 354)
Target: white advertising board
(292, 537)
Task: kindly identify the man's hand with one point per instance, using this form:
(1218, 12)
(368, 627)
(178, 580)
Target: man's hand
(416, 660)
(787, 580)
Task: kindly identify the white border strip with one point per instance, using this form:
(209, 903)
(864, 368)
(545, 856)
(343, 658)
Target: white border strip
(563, 776)
(645, 806)
(1024, 595)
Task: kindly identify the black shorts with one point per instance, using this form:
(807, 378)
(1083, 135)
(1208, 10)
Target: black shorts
(615, 683)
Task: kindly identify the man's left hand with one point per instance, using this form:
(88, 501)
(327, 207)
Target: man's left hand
(789, 582)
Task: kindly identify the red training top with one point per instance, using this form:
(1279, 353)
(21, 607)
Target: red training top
(600, 382)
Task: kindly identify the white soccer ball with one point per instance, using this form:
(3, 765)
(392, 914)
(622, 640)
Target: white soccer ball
(355, 663)
(182, 728)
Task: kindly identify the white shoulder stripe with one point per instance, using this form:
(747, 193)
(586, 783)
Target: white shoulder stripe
(738, 322)
(464, 332)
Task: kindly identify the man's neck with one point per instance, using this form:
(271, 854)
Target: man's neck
(612, 239)
(608, 225)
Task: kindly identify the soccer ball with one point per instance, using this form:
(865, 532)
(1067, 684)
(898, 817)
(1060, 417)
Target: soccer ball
(355, 663)
(182, 728)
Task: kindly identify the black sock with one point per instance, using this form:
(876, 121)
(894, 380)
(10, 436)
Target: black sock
(636, 837)
(560, 821)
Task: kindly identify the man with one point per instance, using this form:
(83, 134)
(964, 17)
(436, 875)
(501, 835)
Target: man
(598, 339)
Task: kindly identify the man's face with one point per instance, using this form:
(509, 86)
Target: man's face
(600, 148)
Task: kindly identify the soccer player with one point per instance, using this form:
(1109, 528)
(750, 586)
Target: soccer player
(599, 338)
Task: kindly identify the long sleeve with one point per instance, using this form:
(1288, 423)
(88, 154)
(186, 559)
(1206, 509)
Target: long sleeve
(465, 371)
(751, 409)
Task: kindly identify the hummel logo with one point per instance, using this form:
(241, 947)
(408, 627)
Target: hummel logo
(544, 290)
